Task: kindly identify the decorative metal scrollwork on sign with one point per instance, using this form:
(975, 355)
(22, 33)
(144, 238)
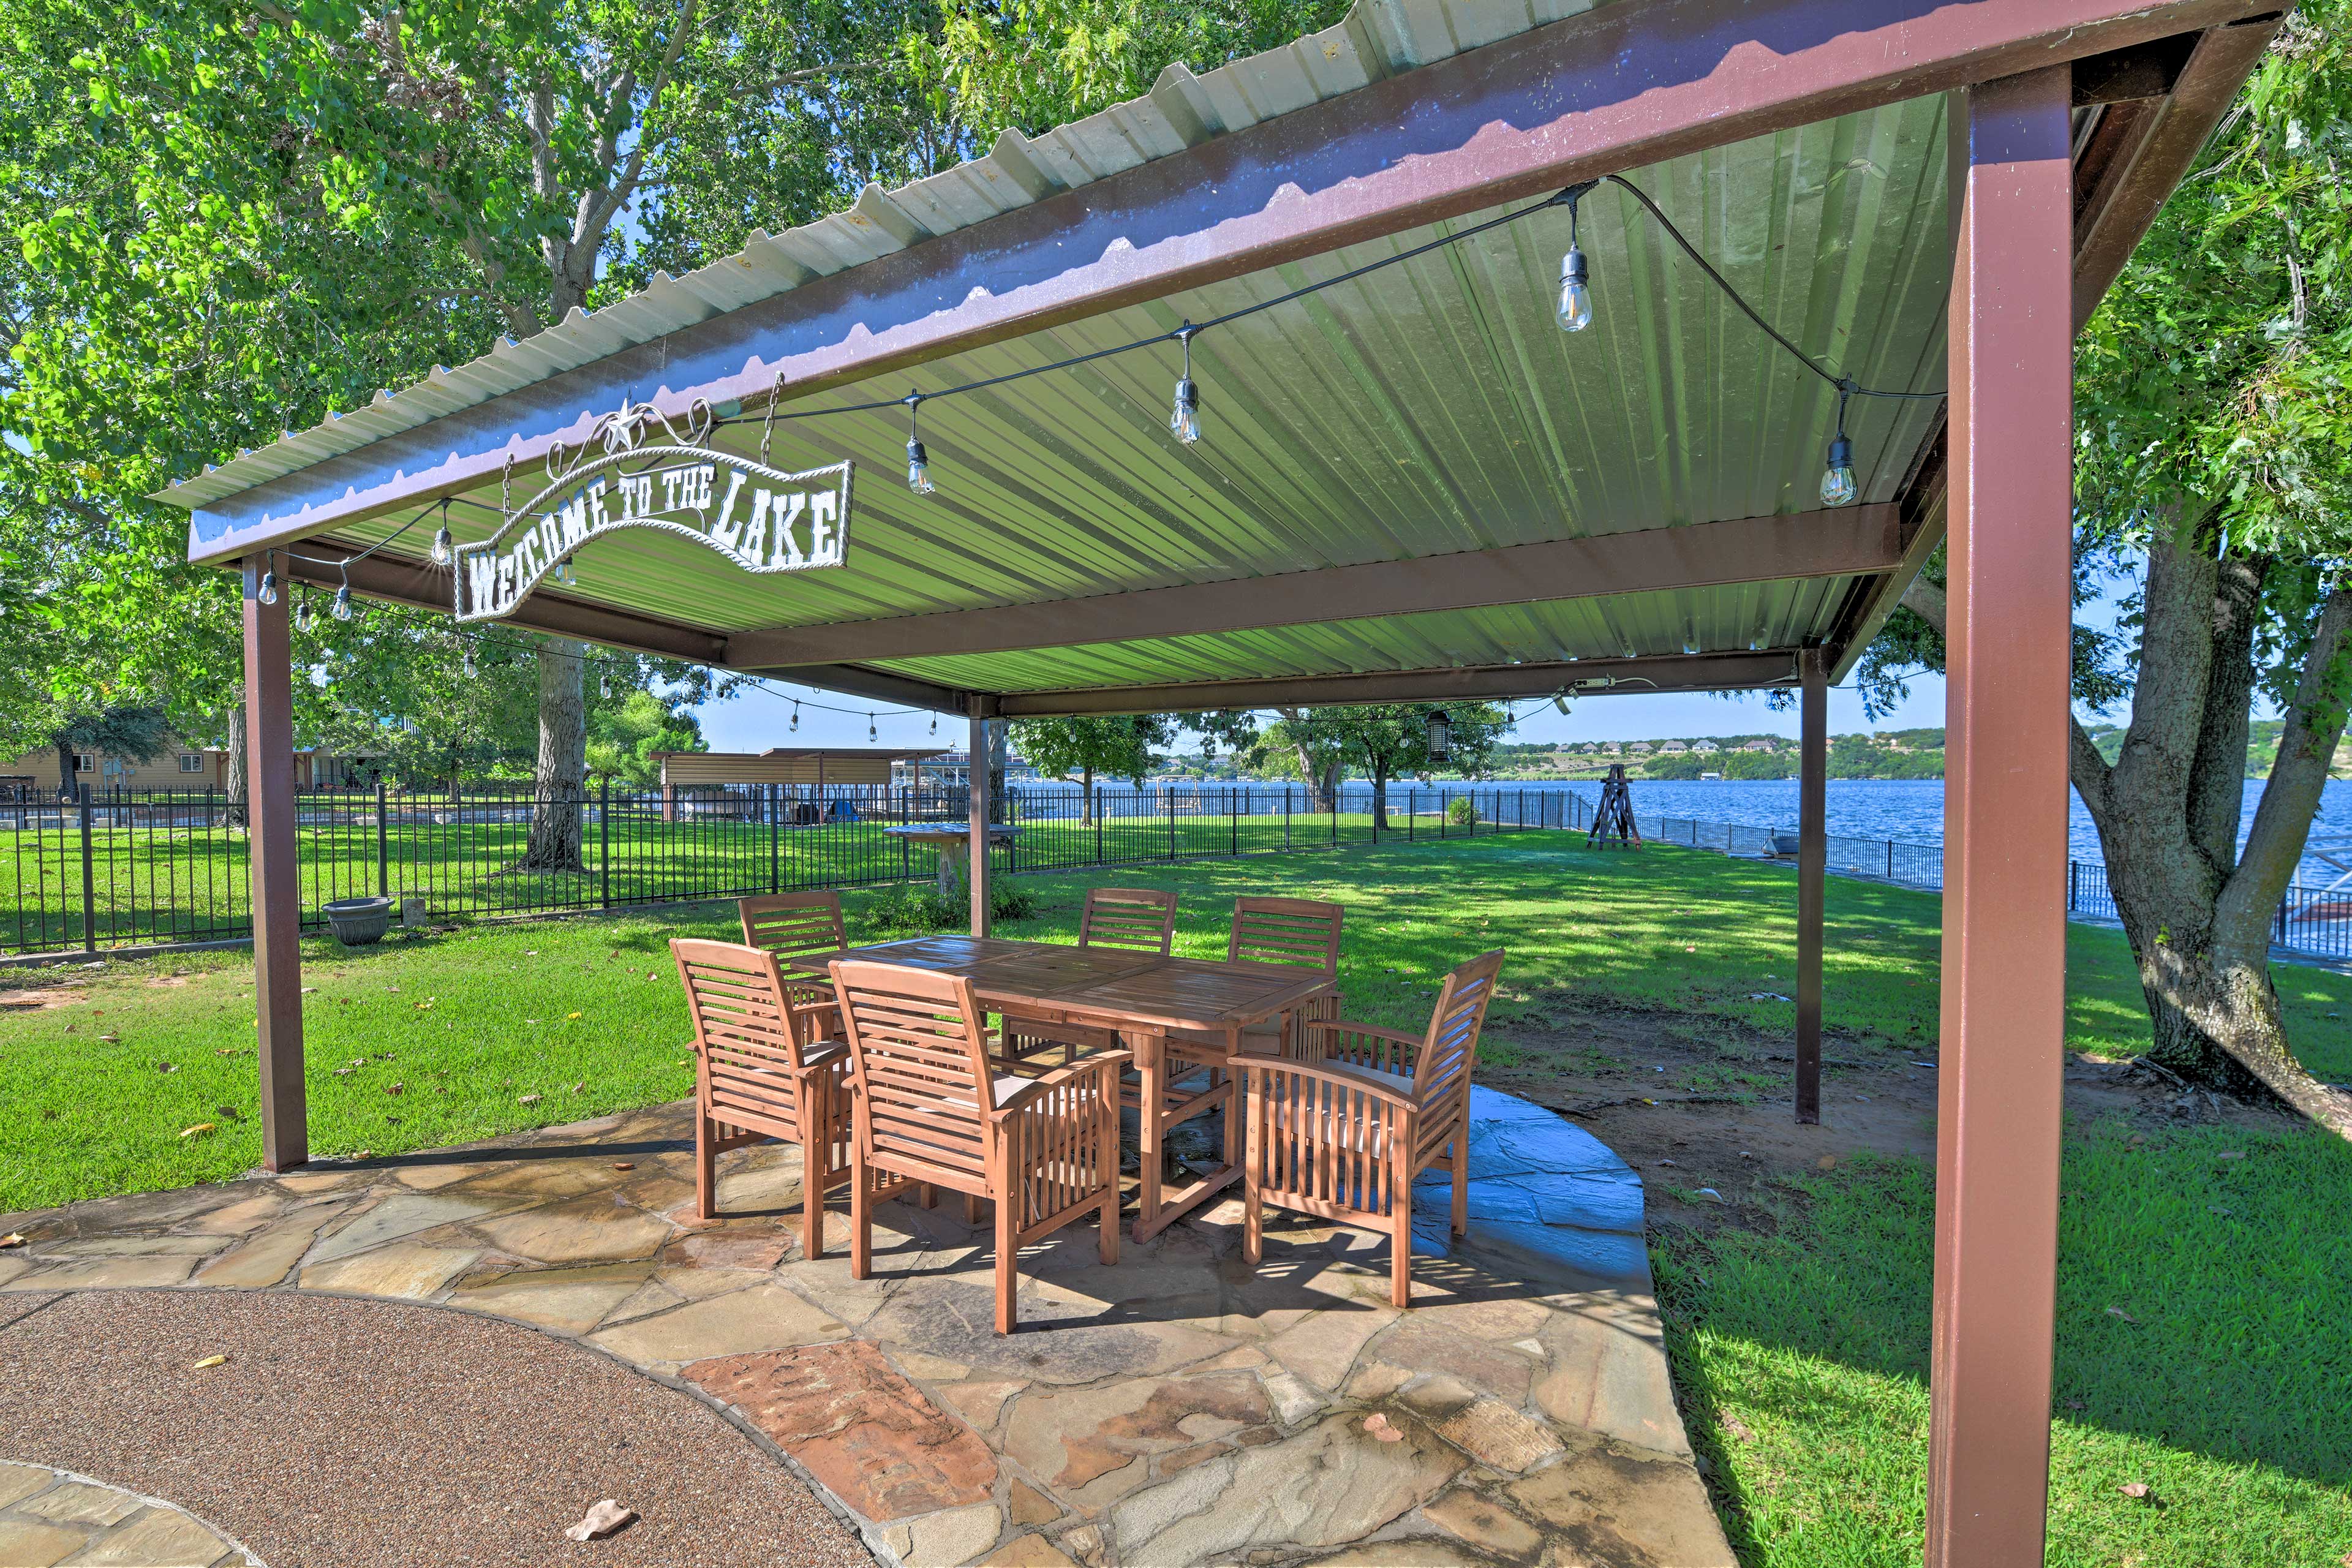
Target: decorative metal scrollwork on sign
(638, 468)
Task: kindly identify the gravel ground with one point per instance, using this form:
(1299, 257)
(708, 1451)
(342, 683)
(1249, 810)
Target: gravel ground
(347, 1434)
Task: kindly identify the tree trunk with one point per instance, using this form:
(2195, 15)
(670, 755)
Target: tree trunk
(1000, 752)
(68, 789)
(1380, 799)
(1086, 805)
(233, 781)
(2199, 912)
(555, 815)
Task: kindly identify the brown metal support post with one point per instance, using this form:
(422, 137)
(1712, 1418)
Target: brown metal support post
(1812, 872)
(273, 885)
(2004, 958)
(976, 857)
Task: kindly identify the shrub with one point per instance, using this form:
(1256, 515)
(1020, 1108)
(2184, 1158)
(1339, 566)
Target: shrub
(1461, 813)
(918, 910)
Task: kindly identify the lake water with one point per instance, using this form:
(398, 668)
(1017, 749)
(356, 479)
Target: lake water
(1911, 810)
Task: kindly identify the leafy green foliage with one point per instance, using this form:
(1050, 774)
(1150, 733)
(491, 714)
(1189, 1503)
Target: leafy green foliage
(1120, 746)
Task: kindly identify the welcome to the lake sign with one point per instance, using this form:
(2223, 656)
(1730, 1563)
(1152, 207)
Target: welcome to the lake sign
(762, 520)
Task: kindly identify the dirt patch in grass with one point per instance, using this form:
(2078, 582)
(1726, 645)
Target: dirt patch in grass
(1702, 1107)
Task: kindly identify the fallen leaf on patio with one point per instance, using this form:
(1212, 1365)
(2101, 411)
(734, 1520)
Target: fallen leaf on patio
(14, 1238)
(200, 1127)
(2138, 1490)
(1826, 1163)
(601, 1521)
(1738, 1428)
(342, 1072)
(209, 1361)
(526, 1100)
(229, 1051)
(393, 1087)
(625, 1164)
(362, 1153)
(572, 1014)
(227, 1112)
(580, 1087)
(2119, 1312)
(359, 1061)
(1378, 1426)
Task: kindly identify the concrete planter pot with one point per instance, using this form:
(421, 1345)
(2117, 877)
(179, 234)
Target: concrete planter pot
(359, 921)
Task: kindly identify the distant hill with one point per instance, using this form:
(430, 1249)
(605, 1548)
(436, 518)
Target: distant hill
(2261, 747)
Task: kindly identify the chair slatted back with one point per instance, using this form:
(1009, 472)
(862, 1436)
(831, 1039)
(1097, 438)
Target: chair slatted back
(919, 1054)
(735, 995)
(1302, 933)
(1441, 1077)
(1140, 917)
(795, 925)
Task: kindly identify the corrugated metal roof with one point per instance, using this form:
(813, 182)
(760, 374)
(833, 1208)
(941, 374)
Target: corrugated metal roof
(1430, 407)
(1377, 38)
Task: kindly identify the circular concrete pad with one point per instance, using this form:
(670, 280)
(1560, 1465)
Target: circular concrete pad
(346, 1434)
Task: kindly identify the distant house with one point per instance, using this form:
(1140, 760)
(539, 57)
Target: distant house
(1673, 746)
(1639, 749)
(1759, 746)
(181, 764)
(1705, 747)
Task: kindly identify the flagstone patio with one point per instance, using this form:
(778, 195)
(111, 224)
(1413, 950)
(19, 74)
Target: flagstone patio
(1177, 1408)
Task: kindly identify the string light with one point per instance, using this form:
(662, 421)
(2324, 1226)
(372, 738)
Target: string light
(302, 611)
(341, 608)
(1837, 479)
(918, 462)
(1575, 278)
(870, 733)
(445, 549)
(469, 661)
(1185, 414)
(935, 724)
(268, 592)
(796, 725)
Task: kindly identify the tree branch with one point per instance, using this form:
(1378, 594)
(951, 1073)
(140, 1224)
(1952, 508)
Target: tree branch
(807, 73)
(2315, 723)
(1926, 600)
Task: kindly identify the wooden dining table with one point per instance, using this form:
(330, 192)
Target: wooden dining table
(1145, 999)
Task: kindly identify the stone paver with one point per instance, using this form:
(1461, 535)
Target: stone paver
(1177, 1408)
(50, 1517)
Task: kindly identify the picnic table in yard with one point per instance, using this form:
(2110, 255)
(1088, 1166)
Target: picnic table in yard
(1145, 998)
(953, 841)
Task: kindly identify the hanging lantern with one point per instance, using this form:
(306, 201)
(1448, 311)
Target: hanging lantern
(1440, 741)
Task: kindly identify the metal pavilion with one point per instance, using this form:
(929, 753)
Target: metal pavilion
(1413, 486)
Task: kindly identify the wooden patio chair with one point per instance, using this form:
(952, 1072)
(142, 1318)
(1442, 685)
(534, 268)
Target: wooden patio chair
(930, 1110)
(1142, 919)
(1343, 1136)
(804, 930)
(1299, 933)
(761, 1071)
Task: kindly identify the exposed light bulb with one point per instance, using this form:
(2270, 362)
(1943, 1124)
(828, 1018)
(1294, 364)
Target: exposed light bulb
(444, 547)
(869, 728)
(935, 724)
(796, 718)
(1184, 417)
(268, 592)
(1837, 480)
(302, 614)
(918, 469)
(1575, 291)
(469, 661)
(341, 608)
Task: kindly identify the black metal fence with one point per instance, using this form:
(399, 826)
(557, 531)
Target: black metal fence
(129, 869)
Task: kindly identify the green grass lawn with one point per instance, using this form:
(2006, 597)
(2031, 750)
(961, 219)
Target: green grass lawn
(2224, 1390)
(1803, 1358)
(584, 1011)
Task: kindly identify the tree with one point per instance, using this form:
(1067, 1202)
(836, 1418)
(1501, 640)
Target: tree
(2214, 465)
(1387, 739)
(135, 729)
(626, 739)
(1296, 746)
(1119, 745)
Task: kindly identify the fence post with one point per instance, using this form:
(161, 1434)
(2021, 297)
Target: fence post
(1412, 812)
(89, 881)
(1234, 816)
(382, 845)
(2073, 881)
(1167, 794)
(1099, 824)
(1285, 816)
(2284, 900)
(775, 840)
(604, 840)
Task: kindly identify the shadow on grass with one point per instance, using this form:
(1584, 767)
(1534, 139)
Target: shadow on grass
(2205, 1279)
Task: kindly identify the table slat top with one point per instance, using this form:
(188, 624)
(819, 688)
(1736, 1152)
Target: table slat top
(1116, 986)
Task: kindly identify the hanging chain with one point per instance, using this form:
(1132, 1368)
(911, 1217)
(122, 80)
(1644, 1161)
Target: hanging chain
(768, 429)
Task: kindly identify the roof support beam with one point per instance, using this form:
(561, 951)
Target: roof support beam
(1671, 672)
(1845, 541)
(876, 685)
(1615, 88)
